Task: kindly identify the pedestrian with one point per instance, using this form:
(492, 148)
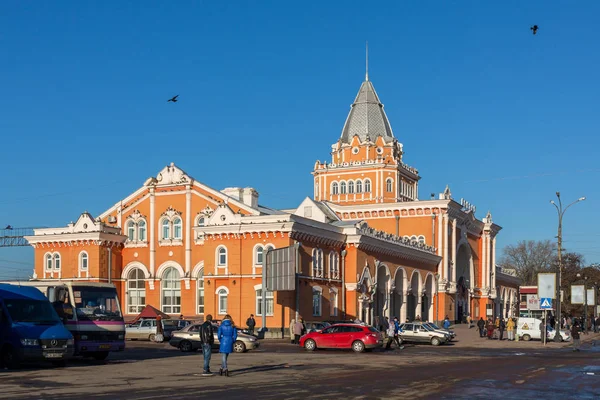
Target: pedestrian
(447, 323)
(490, 329)
(298, 328)
(227, 334)
(575, 335)
(543, 331)
(251, 323)
(481, 326)
(501, 328)
(160, 330)
(393, 332)
(510, 327)
(207, 337)
(292, 325)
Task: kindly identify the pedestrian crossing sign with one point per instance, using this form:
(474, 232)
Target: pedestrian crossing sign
(545, 303)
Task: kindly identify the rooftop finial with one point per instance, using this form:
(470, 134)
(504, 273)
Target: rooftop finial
(367, 62)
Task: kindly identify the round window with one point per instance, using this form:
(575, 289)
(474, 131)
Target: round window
(355, 150)
(84, 226)
(223, 218)
(379, 150)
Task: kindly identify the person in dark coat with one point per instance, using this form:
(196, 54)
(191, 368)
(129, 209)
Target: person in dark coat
(502, 328)
(481, 326)
(227, 336)
(207, 336)
(251, 323)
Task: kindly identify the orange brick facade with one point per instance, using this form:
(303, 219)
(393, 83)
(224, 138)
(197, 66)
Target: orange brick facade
(367, 247)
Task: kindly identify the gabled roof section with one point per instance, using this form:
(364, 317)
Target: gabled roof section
(316, 211)
(367, 119)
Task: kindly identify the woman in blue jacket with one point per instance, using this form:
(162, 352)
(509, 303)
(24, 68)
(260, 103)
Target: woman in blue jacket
(227, 336)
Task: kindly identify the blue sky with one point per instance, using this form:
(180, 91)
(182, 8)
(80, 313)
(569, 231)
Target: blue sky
(506, 118)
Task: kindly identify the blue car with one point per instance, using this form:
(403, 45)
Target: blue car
(30, 329)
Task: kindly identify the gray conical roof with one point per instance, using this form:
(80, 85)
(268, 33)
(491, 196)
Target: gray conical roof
(366, 117)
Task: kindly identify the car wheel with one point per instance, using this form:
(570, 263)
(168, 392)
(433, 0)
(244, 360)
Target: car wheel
(100, 355)
(185, 346)
(152, 337)
(526, 337)
(436, 341)
(310, 345)
(239, 346)
(60, 364)
(358, 346)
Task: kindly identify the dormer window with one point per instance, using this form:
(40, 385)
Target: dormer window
(202, 221)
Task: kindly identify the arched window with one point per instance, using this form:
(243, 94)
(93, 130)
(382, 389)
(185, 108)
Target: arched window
(413, 238)
(334, 269)
(389, 185)
(421, 239)
(222, 293)
(359, 186)
(334, 188)
(201, 221)
(343, 187)
(130, 231)
(269, 248)
(57, 261)
(270, 302)
(317, 293)
(333, 303)
(367, 186)
(142, 230)
(317, 263)
(222, 257)
(171, 291)
(200, 284)
(350, 187)
(258, 255)
(166, 229)
(136, 291)
(83, 261)
(49, 262)
(177, 228)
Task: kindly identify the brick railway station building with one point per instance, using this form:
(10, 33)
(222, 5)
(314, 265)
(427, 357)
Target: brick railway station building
(367, 246)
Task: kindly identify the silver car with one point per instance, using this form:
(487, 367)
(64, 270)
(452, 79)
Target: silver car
(145, 329)
(419, 332)
(188, 339)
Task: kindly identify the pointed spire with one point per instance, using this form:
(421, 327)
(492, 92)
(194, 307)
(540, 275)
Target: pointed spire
(367, 62)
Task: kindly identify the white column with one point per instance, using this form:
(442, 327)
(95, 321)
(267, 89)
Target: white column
(484, 272)
(152, 232)
(454, 252)
(402, 315)
(445, 233)
(120, 217)
(493, 266)
(188, 229)
(439, 237)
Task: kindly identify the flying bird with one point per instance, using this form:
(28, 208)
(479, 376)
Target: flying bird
(173, 99)
(534, 29)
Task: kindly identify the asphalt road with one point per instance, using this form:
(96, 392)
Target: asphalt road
(278, 370)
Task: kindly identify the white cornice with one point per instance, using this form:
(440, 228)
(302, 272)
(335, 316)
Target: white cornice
(79, 236)
(405, 205)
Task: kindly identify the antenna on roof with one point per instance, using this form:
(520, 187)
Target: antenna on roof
(367, 62)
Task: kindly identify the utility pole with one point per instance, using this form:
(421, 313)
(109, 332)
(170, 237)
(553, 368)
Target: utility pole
(561, 212)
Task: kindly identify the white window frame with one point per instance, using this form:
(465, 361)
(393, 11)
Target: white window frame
(350, 187)
(131, 236)
(335, 189)
(142, 226)
(333, 302)
(56, 265)
(258, 249)
(270, 301)
(317, 263)
(343, 188)
(48, 262)
(389, 185)
(177, 226)
(319, 311)
(367, 188)
(421, 239)
(359, 186)
(165, 223)
(334, 270)
(84, 256)
(174, 308)
(222, 291)
(201, 218)
(135, 292)
(218, 264)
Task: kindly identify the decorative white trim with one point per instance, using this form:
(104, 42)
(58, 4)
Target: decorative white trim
(161, 270)
(80, 269)
(217, 260)
(351, 287)
(197, 269)
(132, 265)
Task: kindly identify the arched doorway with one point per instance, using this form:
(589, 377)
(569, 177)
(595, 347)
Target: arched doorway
(398, 295)
(427, 300)
(382, 300)
(412, 300)
(464, 281)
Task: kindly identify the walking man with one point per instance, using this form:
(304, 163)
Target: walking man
(207, 336)
(251, 322)
(481, 326)
(575, 335)
(502, 328)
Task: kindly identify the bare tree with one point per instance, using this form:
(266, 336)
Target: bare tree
(528, 258)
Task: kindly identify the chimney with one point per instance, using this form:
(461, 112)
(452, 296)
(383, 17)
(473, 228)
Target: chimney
(234, 192)
(250, 197)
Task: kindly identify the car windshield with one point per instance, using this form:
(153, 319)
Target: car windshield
(432, 326)
(97, 303)
(373, 329)
(35, 311)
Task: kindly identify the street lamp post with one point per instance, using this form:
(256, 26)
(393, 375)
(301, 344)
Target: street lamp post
(561, 213)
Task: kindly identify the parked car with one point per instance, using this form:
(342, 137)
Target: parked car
(188, 339)
(312, 326)
(450, 334)
(420, 332)
(529, 328)
(145, 329)
(343, 336)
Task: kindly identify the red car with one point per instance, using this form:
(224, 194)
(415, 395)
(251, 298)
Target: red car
(343, 336)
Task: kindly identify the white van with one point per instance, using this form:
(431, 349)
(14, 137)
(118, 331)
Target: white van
(529, 328)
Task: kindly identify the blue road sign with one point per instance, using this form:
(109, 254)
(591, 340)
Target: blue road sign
(545, 303)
